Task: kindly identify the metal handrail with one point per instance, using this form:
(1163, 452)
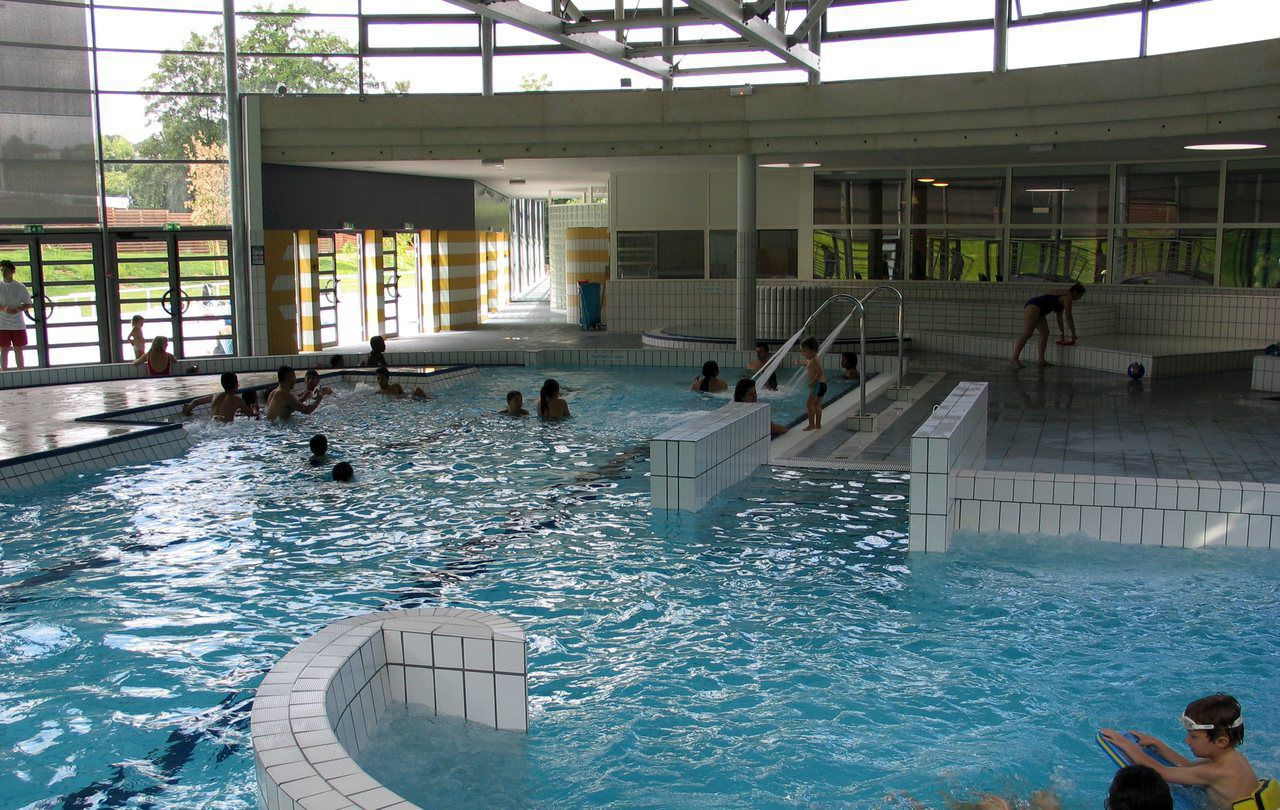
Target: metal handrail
(860, 304)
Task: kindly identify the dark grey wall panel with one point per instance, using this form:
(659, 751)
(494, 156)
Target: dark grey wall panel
(310, 197)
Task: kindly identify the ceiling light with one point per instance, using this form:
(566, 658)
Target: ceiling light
(1224, 147)
(926, 179)
(1048, 190)
(940, 184)
(798, 165)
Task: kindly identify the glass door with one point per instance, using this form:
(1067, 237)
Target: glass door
(327, 260)
(179, 282)
(61, 272)
(390, 286)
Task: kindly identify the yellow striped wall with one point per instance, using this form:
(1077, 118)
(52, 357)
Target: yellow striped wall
(491, 272)
(371, 285)
(460, 255)
(504, 269)
(586, 253)
(281, 272)
(429, 280)
(307, 268)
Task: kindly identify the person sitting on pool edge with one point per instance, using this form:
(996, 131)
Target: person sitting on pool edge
(550, 404)
(1215, 730)
(849, 365)
(745, 391)
(515, 405)
(343, 472)
(319, 445)
(762, 359)
(709, 381)
(377, 347)
(282, 403)
(385, 386)
(1035, 314)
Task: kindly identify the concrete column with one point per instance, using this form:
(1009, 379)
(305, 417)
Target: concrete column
(668, 40)
(746, 252)
(486, 55)
(239, 257)
(1000, 60)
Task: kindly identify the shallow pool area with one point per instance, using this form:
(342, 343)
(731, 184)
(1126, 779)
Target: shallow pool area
(779, 648)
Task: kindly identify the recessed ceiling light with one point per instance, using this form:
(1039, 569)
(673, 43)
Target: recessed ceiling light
(925, 179)
(1050, 190)
(940, 184)
(1224, 147)
(804, 165)
(515, 181)
(493, 163)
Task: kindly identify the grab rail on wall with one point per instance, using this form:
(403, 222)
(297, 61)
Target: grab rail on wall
(860, 305)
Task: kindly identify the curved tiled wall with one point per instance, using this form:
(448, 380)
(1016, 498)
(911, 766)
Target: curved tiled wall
(319, 704)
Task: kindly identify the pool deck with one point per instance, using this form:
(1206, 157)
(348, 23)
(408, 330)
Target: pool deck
(1055, 420)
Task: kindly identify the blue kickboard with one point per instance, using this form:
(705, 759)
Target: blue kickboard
(1185, 797)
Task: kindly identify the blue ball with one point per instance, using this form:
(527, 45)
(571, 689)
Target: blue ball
(1136, 370)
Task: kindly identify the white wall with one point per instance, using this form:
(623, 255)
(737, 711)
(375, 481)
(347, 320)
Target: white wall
(707, 200)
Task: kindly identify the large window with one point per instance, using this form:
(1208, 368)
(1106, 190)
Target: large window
(660, 254)
(776, 253)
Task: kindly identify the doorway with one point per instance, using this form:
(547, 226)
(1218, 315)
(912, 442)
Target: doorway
(180, 283)
(60, 271)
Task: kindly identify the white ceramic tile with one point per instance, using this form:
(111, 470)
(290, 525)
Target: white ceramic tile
(419, 686)
(449, 689)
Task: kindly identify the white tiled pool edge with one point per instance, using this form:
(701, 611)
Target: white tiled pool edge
(953, 437)
(1266, 373)
(691, 464)
(950, 491)
(322, 700)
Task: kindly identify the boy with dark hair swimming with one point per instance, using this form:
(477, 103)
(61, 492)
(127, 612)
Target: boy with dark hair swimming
(343, 472)
(319, 445)
(385, 386)
(515, 405)
(1215, 729)
(1137, 787)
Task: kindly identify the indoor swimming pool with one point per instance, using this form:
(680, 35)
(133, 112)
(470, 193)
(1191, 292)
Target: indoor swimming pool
(779, 648)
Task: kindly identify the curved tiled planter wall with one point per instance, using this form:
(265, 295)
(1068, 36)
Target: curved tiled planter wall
(319, 703)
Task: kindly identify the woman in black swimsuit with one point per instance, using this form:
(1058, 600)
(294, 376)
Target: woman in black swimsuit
(1035, 316)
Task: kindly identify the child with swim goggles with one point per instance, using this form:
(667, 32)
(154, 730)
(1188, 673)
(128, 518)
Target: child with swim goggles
(1215, 728)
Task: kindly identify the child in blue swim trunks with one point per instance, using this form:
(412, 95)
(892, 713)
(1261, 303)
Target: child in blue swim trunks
(817, 381)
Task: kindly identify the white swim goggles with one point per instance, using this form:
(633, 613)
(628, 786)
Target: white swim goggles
(1191, 725)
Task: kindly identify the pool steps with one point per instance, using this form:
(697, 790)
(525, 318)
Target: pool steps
(320, 703)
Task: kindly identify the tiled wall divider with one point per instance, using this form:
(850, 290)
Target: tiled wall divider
(1266, 373)
(1082, 356)
(953, 437)
(138, 447)
(709, 307)
(694, 462)
(321, 701)
(1151, 511)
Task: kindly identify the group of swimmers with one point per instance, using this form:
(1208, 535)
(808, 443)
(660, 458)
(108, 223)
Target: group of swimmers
(709, 382)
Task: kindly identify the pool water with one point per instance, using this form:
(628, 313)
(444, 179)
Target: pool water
(778, 648)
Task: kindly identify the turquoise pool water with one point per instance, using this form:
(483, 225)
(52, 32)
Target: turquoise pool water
(780, 648)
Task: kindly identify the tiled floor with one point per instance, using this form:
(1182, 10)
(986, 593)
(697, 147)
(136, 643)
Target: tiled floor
(1077, 421)
(39, 419)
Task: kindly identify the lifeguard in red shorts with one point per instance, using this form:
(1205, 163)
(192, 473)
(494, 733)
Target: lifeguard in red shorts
(15, 301)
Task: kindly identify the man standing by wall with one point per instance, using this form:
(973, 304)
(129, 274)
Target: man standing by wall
(15, 301)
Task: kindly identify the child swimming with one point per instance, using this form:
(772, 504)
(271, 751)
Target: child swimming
(1215, 729)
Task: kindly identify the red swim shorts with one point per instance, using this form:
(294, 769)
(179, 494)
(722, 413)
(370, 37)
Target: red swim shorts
(17, 338)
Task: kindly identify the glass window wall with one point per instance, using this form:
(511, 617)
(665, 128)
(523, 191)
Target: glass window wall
(777, 253)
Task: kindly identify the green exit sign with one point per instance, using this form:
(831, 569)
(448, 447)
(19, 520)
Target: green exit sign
(172, 226)
(33, 229)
